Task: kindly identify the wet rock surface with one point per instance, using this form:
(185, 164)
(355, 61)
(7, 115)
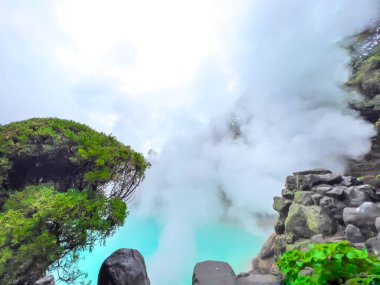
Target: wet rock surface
(124, 267)
(213, 273)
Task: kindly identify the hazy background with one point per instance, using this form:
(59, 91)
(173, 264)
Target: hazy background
(232, 96)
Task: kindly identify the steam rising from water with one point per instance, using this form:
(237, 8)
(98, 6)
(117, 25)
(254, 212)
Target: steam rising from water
(292, 114)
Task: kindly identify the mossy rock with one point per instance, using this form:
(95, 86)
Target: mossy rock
(68, 154)
(306, 221)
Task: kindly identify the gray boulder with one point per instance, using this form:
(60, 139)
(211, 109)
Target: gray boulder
(363, 216)
(47, 280)
(377, 224)
(307, 221)
(357, 195)
(281, 205)
(316, 198)
(124, 267)
(317, 238)
(290, 183)
(308, 181)
(336, 192)
(268, 248)
(373, 245)
(258, 279)
(321, 189)
(213, 273)
(353, 234)
(334, 206)
(303, 197)
(350, 181)
(287, 194)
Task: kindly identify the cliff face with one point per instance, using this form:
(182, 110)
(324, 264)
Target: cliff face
(365, 80)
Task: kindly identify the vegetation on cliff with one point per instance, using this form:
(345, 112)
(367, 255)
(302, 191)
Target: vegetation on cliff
(62, 188)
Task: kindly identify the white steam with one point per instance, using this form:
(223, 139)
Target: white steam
(292, 115)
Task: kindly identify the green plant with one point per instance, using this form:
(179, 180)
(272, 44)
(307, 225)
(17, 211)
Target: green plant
(70, 154)
(332, 263)
(41, 227)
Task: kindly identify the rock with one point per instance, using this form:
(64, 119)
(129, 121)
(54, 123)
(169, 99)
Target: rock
(353, 234)
(312, 171)
(336, 192)
(334, 206)
(321, 189)
(268, 248)
(363, 216)
(303, 197)
(290, 183)
(287, 194)
(357, 195)
(317, 238)
(259, 279)
(279, 227)
(308, 271)
(47, 280)
(281, 205)
(262, 266)
(213, 273)
(308, 221)
(373, 245)
(359, 245)
(377, 224)
(124, 267)
(368, 189)
(350, 181)
(316, 198)
(311, 180)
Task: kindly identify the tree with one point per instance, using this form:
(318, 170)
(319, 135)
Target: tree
(63, 187)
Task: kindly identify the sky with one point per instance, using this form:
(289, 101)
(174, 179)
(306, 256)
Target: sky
(133, 68)
(232, 96)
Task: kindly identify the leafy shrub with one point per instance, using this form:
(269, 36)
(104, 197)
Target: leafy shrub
(332, 263)
(39, 226)
(70, 154)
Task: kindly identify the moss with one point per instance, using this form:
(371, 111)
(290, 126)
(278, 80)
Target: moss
(300, 245)
(365, 76)
(67, 153)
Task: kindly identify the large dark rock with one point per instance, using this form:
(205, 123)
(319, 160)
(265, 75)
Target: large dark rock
(357, 195)
(124, 267)
(308, 181)
(213, 273)
(258, 279)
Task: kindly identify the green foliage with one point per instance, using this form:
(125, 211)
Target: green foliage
(332, 262)
(40, 225)
(87, 159)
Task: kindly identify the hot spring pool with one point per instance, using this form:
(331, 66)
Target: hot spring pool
(223, 242)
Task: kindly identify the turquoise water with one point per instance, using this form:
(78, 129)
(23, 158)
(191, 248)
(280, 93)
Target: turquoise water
(224, 242)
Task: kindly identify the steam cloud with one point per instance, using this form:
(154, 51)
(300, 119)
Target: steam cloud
(291, 115)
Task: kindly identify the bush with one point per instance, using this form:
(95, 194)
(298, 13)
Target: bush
(332, 263)
(70, 154)
(40, 225)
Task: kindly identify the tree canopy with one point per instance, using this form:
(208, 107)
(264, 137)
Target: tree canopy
(63, 187)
